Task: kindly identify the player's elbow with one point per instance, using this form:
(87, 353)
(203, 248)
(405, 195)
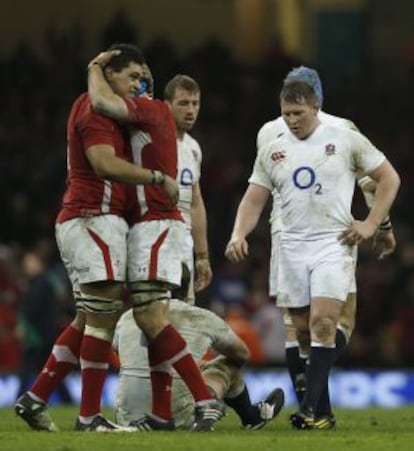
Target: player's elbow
(99, 105)
(393, 181)
(103, 171)
(243, 354)
(397, 180)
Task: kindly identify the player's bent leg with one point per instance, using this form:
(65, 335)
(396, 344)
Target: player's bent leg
(226, 382)
(32, 405)
(150, 308)
(166, 350)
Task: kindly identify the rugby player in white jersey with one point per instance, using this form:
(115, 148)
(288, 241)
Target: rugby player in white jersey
(182, 93)
(202, 330)
(297, 347)
(313, 167)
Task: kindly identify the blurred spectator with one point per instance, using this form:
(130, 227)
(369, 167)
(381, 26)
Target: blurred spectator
(119, 29)
(10, 298)
(41, 310)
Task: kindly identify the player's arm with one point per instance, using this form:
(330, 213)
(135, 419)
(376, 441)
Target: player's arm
(384, 240)
(388, 183)
(248, 214)
(199, 234)
(103, 99)
(233, 348)
(108, 166)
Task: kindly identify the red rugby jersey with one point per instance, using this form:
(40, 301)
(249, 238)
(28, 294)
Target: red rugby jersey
(153, 146)
(86, 193)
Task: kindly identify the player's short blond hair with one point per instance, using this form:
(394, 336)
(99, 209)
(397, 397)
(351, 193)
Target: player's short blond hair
(180, 81)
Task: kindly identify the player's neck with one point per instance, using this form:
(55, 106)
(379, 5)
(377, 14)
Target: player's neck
(312, 129)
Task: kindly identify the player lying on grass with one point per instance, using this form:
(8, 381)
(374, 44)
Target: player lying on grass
(202, 330)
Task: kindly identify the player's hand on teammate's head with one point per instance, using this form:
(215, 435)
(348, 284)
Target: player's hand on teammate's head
(204, 274)
(170, 186)
(237, 250)
(384, 243)
(103, 58)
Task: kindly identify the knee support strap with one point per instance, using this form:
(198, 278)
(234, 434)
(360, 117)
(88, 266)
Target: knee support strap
(145, 293)
(98, 304)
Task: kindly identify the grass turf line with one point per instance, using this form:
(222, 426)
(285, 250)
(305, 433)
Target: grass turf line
(362, 430)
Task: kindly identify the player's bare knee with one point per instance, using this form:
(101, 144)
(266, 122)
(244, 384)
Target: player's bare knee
(221, 375)
(323, 329)
(149, 303)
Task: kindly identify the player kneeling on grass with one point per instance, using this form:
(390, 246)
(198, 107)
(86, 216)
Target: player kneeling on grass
(202, 330)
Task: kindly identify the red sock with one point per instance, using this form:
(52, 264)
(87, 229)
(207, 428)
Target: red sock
(170, 349)
(62, 360)
(161, 384)
(189, 371)
(94, 364)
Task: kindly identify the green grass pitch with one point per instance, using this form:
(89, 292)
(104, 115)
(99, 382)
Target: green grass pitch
(369, 429)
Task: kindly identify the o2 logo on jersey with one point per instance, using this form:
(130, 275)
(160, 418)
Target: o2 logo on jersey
(305, 178)
(186, 177)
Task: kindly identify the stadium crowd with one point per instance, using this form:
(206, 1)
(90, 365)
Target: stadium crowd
(238, 99)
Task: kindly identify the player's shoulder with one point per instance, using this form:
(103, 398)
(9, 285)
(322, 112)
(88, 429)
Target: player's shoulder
(205, 320)
(83, 114)
(336, 121)
(81, 106)
(154, 110)
(191, 145)
(192, 142)
(270, 130)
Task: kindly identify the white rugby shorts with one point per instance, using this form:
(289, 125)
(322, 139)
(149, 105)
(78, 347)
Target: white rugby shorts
(155, 251)
(93, 249)
(309, 269)
(274, 265)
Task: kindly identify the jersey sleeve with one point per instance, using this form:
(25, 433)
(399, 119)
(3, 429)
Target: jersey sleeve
(259, 175)
(143, 110)
(365, 156)
(222, 336)
(95, 129)
(261, 136)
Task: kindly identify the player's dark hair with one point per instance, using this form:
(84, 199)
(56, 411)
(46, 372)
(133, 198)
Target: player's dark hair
(299, 92)
(129, 54)
(180, 81)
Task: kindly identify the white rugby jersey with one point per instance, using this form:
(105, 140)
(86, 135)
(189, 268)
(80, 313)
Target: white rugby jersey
(315, 178)
(200, 328)
(271, 130)
(189, 164)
